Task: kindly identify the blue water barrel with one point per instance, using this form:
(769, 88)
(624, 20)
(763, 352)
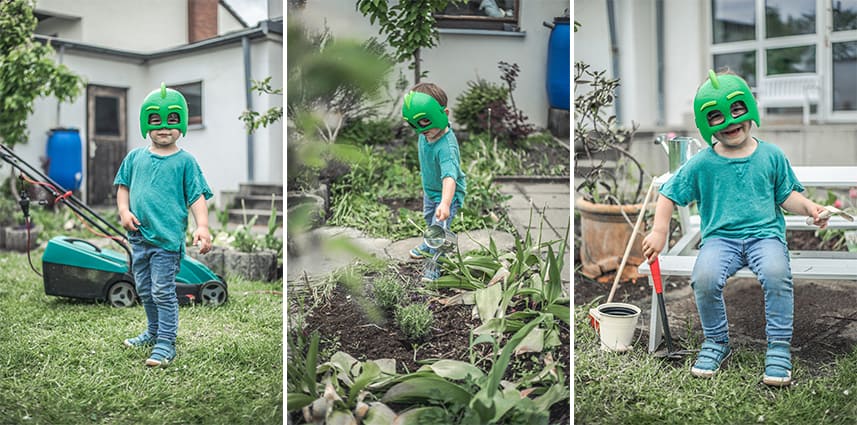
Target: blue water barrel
(66, 158)
(558, 82)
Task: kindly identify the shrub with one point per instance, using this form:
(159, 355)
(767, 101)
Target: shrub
(415, 320)
(367, 132)
(472, 106)
(388, 292)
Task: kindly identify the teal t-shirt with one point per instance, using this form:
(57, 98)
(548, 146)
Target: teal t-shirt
(438, 160)
(738, 198)
(162, 189)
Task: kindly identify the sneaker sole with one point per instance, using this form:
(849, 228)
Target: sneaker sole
(128, 344)
(777, 381)
(157, 363)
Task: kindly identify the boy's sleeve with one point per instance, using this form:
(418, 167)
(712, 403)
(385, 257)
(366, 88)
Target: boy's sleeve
(195, 184)
(680, 188)
(786, 181)
(123, 176)
(449, 167)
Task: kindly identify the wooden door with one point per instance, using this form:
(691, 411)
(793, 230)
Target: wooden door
(107, 142)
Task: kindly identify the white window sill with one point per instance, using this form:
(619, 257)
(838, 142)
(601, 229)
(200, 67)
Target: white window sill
(462, 31)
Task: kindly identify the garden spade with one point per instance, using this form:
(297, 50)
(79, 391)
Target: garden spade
(662, 307)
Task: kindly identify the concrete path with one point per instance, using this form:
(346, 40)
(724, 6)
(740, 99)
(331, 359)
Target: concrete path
(547, 198)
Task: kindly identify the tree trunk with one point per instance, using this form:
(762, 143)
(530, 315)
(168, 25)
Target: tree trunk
(417, 66)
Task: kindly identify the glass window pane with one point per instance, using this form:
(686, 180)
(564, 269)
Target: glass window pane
(741, 63)
(734, 20)
(106, 116)
(844, 15)
(789, 60)
(193, 94)
(844, 70)
(480, 14)
(789, 17)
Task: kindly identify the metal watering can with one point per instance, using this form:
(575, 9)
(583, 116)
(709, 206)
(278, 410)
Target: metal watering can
(678, 149)
(439, 237)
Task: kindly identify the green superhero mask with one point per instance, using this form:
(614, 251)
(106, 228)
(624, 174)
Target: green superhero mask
(164, 102)
(418, 106)
(719, 93)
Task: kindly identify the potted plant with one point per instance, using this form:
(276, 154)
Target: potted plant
(608, 179)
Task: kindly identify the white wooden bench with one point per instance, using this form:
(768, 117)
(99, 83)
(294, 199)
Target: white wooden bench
(819, 265)
(790, 90)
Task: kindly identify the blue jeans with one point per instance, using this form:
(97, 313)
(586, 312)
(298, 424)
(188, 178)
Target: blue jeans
(719, 259)
(429, 209)
(155, 272)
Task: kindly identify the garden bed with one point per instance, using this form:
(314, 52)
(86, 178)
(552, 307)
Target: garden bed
(825, 325)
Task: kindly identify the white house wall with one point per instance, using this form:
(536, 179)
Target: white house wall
(684, 58)
(156, 24)
(461, 58)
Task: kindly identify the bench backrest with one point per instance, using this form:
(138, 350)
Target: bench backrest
(789, 87)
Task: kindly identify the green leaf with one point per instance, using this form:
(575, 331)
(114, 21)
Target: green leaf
(421, 389)
(311, 361)
(379, 414)
(419, 415)
(455, 369)
(296, 401)
(487, 301)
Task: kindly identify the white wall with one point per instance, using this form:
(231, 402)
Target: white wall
(131, 25)
(127, 25)
(461, 58)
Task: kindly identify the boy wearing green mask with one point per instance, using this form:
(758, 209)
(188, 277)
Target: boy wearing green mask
(444, 184)
(741, 186)
(156, 185)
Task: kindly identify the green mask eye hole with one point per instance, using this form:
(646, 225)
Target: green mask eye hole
(424, 122)
(715, 118)
(154, 119)
(173, 118)
(737, 109)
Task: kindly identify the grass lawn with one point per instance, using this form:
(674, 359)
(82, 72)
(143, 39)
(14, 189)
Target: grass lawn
(635, 388)
(62, 361)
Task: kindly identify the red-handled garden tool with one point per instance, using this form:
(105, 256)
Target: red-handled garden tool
(662, 307)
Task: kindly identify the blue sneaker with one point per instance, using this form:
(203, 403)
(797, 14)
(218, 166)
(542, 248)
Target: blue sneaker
(421, 251)
(431, 272)
(710, 357)
(145, 339)
(778, 364)
(163, 353)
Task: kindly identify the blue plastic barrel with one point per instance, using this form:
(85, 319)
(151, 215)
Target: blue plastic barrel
(66, 158)
(558, 82)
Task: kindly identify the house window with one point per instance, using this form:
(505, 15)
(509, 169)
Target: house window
(789, 17)
(844, 81)
(741, 63)
(760, 38)
(499, 15)
(734, 20)
(193, 94)
(106, 116)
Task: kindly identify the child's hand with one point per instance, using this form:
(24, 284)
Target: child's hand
(653, 243)
(202, 239)
(820, 215)
(128, 221)
(442, 212)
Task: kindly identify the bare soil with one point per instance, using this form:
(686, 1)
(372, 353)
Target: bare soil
(345, 326)
(825, 325)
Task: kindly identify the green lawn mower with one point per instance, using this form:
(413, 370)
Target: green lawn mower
(76, 268)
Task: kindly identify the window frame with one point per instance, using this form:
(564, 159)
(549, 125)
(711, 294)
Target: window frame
(481, 22)
(823, 40)
(193, 121)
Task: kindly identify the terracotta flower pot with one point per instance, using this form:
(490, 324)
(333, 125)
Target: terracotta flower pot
(605, 233)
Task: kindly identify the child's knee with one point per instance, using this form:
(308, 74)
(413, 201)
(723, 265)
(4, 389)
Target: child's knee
(706, 281)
